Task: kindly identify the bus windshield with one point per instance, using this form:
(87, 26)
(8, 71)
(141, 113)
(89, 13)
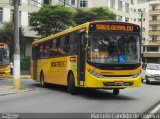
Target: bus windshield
(113, 48)
(4, 57)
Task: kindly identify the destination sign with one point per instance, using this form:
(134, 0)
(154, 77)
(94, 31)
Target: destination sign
(115, 27)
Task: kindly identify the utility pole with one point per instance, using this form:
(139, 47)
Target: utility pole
(141, 17)
(16, 70)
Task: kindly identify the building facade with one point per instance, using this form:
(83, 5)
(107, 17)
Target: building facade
(151, 52)
(26, 7)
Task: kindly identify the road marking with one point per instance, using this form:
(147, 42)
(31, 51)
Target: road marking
(148, 116)
(155, 109)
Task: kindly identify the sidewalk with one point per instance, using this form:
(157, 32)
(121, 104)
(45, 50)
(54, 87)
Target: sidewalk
(6, 85)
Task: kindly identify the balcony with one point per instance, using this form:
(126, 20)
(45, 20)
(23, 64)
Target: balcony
(151, 54)
(154, 32)
(154, 12)
(154, 22)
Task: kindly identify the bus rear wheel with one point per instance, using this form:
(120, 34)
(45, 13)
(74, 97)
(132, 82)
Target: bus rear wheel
(42, 83)
(115, 91)
(71, 85)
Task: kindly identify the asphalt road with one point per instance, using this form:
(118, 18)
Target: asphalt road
(55, 99)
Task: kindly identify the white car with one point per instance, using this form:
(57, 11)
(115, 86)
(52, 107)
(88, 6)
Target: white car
(151, 73)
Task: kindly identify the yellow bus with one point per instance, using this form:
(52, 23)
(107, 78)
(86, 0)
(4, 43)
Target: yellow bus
(4, 60)
(98, 55)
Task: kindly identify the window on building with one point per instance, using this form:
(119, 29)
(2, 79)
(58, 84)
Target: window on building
(154, 18)
(152, 49)
(154, 38)
(153, 7)
(134, 19)
(1, 14)
(132, 2)
(139, 19)
(112, 4)
(33, 2)
(144, 19)
(126, 7)
(126, 19)
(64, 2)
(141, 1)
(83, 3)
(119, 18)
(120, 5)
(47, 1)
(134, 10)
(139, 10)
(154, 28)
(73, 2)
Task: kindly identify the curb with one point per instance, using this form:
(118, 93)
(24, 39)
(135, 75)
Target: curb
(21, 77)
(15, 92)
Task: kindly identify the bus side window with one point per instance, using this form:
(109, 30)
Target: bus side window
(41, 48)
(47, 48)
(53, 51)
(67, 48)
(73, 44)
(75, 36)
(58, 47)
(62, 46)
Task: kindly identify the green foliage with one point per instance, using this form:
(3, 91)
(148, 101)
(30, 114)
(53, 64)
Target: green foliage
(96, 13)
(51, 19)
(25, 63)
(7, 36)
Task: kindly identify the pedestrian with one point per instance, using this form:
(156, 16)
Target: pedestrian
(11, 68)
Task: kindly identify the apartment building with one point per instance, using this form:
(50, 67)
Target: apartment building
(26, 7)
(152, 45)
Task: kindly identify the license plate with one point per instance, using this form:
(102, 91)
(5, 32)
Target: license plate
(118, 83)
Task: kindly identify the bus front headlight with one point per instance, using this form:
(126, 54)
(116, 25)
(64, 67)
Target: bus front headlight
(136, 75)
(95, 74)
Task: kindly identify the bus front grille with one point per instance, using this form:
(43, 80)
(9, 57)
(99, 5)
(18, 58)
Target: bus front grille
(118, 83)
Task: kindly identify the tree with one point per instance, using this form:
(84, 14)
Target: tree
(96, 13)
(51, 19)
(7, 36)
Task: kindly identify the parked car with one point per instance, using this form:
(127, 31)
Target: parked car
(151, 73)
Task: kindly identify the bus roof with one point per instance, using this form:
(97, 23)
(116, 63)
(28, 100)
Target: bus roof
(112, 21)
(61, 33)
(77, 28)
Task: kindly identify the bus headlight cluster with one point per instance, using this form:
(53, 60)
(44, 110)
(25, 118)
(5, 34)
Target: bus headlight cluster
(95, 74)
(136, 75)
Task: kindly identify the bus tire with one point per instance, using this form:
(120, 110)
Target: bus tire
(42, 83)
(115, 91)
(71, 84)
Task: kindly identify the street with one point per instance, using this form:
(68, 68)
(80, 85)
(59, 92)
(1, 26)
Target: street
(55, 99)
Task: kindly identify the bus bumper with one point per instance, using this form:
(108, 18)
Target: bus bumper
(112, 82)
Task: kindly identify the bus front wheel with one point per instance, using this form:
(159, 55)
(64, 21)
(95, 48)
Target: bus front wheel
(115, 91)
(71, 85)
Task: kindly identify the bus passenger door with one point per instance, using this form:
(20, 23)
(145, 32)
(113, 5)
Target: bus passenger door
(81, 59)
(34, 63)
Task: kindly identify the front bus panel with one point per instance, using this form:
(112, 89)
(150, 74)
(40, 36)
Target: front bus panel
(113, 56)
